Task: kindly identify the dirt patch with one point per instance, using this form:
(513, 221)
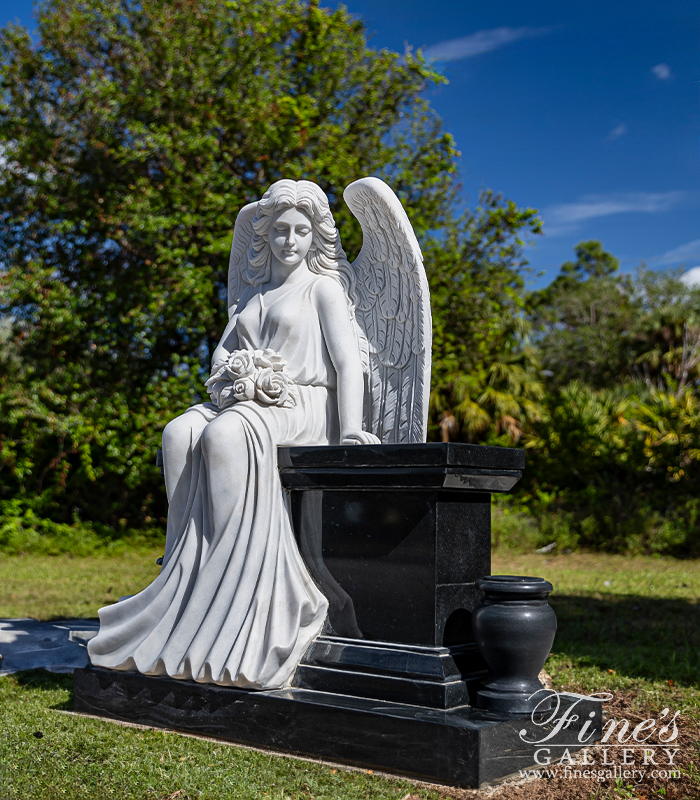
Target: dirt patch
(567, 782)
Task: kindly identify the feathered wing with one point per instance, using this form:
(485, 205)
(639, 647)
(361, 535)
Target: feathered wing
(393, 310)
(238, 263)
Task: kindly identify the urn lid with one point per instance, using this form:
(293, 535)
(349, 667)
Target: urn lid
(514, 585)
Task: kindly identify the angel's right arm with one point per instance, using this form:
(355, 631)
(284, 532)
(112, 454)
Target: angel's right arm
(238, 263)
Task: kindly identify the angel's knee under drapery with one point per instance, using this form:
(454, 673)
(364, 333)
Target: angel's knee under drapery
(233, 604)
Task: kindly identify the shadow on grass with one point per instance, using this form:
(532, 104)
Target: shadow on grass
(638, 637)
(48, 681)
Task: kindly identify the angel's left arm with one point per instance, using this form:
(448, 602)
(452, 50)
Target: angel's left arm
(344, 351)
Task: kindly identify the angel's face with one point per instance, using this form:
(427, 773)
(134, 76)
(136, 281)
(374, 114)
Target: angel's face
(291, 235)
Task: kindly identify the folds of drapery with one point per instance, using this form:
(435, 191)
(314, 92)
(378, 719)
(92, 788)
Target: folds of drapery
(233, 604)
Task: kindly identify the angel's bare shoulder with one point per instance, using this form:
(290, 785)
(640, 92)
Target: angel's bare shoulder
(327, 290)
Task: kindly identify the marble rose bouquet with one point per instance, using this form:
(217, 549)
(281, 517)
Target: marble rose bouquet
(251, 375)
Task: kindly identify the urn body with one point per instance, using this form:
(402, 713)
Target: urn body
(514, 629)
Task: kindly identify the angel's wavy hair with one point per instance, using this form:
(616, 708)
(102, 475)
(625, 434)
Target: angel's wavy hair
(326, 255)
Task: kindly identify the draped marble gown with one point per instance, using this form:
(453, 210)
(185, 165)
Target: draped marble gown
(234, 604)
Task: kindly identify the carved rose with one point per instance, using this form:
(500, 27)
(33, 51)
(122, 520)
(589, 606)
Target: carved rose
(220, 391)
(268, 359)
(244, 389)
(225, 396)
(218, 372)
(272, 387)
(251, 375)
(219, 388)
(240, 364)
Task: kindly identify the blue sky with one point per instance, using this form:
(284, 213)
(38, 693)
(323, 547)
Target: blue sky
(589, 112)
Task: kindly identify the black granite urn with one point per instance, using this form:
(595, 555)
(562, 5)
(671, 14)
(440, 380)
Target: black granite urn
(514, 629)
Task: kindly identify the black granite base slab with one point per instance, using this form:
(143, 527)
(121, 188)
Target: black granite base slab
(463, 746)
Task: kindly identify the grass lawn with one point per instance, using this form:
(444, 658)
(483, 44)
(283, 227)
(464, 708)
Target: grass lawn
(628, 625)
(62, 587)
(625, 623)
(86, 759)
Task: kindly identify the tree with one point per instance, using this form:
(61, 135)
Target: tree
(591, 262)
(485, 380)
(585, 318)
(131, 134)
(665, 346)
(614, 453)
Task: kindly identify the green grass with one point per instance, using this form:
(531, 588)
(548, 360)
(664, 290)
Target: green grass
(625, 624)
(79, 758)
(639, 635)
(62, 587)
(86, 759)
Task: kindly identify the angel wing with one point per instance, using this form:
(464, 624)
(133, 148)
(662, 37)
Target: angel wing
(238, 262)
(393, 310)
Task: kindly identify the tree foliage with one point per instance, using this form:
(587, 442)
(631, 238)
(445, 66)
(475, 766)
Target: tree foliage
(484, 376)
(665, 346)
(616, 447)
(584, 317)
(131, 134)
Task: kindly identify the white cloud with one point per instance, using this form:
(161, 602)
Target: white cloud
(566, 217)
(481, 42)
(620, 130)
(691, 277)
(682, 253)
(662, 72)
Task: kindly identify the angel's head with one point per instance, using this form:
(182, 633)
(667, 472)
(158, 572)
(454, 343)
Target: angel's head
(325, 254)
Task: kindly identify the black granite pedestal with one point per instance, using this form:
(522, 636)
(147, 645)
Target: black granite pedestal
(396, 537)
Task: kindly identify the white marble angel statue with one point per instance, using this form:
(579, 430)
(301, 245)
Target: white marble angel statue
(316, 351)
